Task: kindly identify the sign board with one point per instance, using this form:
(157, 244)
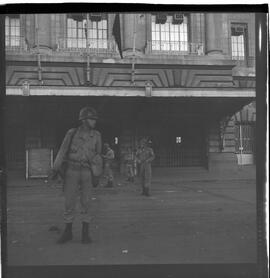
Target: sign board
(38, 162)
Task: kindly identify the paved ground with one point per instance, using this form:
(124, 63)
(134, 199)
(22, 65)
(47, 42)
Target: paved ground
(210, 221)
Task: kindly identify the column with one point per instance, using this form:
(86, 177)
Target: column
(43, 31)
(134, 32)
(213, 28)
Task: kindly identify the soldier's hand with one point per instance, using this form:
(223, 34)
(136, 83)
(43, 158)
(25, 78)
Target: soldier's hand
(53, 174)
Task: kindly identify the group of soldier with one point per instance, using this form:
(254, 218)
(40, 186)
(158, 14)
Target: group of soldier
(80, 162)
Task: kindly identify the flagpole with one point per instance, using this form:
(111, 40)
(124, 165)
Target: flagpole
(38, 52)
(87, 49)
(134, 49)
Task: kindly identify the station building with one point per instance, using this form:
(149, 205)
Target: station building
(185, 80)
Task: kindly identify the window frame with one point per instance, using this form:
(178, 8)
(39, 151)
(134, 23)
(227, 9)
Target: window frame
(170, 50)
(245, 40)
(248, 142)
(97, 41)
(9, 38)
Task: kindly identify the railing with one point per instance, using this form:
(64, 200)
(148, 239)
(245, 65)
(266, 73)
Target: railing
(175, 48)
(96, 46)
(246, 62)
(16, 43)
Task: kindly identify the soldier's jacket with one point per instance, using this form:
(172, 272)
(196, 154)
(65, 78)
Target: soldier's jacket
(145, 155)
(85, 145)
(109, 156)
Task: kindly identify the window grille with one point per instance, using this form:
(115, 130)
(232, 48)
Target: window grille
(12, 30)
(245, 138)
(96, 34)
(170, 35)
(239, 41)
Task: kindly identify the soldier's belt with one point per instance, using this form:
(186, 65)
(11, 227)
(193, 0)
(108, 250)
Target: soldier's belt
(78, 164)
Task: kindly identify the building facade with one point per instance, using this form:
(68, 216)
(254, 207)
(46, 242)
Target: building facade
(184, 81)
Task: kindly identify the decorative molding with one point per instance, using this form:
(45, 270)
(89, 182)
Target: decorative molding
(109, 75)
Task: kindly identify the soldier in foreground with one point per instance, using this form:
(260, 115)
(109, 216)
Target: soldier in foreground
(144, 156)
(77, 161)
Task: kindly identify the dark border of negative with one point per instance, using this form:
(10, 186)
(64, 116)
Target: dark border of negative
(246, 270)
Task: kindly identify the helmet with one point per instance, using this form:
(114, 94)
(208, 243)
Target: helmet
(144, 140)
(88, 113)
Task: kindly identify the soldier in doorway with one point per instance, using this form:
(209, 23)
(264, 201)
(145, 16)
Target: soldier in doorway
(129, 162)
(108, 160)
(144, 156)
(78, 159)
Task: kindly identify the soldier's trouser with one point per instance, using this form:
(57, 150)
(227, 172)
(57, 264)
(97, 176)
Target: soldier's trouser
(130, 172)
(78, 182)
(108, 174)
(145, 175)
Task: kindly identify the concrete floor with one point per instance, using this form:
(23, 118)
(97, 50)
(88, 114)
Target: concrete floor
(182, 222)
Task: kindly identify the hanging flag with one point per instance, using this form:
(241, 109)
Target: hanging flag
(85, 30)
(116, 32)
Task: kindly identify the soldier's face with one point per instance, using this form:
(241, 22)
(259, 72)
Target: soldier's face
(91, 122)
(143, 144)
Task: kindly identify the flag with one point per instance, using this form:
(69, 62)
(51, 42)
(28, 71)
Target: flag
(85, 30)
(116, 32)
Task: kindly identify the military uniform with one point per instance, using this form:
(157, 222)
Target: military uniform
(85, 144)
(129, 162)
(108, 160)
(79, 149)
(144, 156)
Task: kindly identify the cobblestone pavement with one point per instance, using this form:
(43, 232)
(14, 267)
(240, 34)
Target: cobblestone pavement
(182, 222)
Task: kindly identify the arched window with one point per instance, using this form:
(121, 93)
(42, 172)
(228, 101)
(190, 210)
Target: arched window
(12, 30)
(95, 32)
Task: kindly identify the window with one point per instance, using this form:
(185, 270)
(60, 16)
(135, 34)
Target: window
(170, 32)
(245, 138)
(96, 34)
(12, 30)
(178, 140)
(239, 41)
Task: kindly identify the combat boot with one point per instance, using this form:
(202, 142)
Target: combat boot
(143, 191)
(110, 184)
(85, 233)
(67, 234)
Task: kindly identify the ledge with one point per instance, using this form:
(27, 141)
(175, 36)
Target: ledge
(133, 92)
(108, 59)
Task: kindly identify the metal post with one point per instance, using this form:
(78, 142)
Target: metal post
(38, 52)
(134, 48)
(87, 49)
(241, 144)
(27, 165)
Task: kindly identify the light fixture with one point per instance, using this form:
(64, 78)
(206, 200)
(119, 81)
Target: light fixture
(25, 88)
(148, 88)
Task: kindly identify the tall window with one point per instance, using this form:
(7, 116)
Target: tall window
(239, 41)
(12, 30)
(170, 32)
(96, 34)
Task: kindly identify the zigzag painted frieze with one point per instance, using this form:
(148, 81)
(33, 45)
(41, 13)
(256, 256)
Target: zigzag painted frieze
(109, 76)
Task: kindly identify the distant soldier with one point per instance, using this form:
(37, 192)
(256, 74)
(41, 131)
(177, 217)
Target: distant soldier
(129, 163)
(108, 160)
(78, 159)
(144, 156)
